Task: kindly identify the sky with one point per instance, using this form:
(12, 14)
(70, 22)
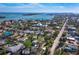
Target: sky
(40, 7)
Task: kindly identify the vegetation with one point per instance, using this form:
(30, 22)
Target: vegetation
(2, 51)
(8, 41)
(55, 34)
(28, 43)
(59, 52)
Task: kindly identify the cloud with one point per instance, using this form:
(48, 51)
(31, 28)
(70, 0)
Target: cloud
(37, 7)
(21, 8)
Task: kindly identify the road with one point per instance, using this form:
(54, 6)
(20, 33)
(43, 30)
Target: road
(56, 41)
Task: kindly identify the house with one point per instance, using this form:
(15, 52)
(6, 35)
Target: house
(71, 40)
(54, 23)
(71, 29)
(25, 51)
(28, 32)
(2, 42)
(33, 50)
(58, 27)
(70, 48)
(15, 48)
(1, 32)
(76, 36)
(40, 25)
(39, 32)
(35, 44)
(22, 39)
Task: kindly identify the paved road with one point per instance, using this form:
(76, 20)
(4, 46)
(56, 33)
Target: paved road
(56, 41)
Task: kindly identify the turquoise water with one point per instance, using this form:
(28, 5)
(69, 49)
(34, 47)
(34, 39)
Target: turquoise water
(25, 17)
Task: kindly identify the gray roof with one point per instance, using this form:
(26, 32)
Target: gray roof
(2, 42)
(15, 48)
(26, 51)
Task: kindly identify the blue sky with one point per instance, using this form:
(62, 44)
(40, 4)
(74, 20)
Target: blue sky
(40, 7)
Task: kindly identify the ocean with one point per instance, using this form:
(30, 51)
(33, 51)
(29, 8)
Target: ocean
(18, 16)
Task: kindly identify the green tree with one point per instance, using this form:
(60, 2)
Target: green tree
(55, 34)
(28, 43)
(8, 41)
